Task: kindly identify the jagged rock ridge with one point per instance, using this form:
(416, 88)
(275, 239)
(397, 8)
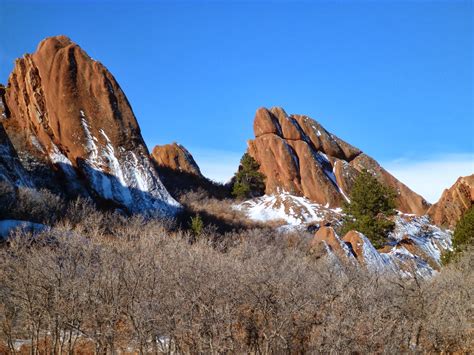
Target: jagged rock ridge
(413, 248)
(299, 156)
(67, 110)
(454, 202)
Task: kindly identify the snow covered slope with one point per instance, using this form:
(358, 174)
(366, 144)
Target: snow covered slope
(413, 248)
(282, 206)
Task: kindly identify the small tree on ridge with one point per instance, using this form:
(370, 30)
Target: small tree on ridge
(371, 205)
(463, 236)
(248, 181)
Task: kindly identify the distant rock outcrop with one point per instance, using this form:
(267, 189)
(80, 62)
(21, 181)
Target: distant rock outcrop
(299, 156)
(66, 110)
(175, 157)
(454, 202)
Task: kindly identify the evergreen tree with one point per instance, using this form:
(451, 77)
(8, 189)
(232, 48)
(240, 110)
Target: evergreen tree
(248, 182)
(197, 225)
(463, 236)
(371, 205)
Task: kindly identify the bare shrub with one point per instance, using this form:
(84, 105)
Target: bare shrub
(41, 206)
(133, 284)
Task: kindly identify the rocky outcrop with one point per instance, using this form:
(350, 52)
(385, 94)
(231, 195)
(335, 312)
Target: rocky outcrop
(3, 108)
(454, 202)
(413, 248)
(175, 157)
(66, 110)
(297, 155)
(327, 236)
(361, 247)
(407, 200)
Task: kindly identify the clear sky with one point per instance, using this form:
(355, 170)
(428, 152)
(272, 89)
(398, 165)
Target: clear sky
(394, 78)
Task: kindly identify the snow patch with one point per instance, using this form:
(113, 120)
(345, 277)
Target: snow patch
(8, 226)
(124, 176)
(294, 210)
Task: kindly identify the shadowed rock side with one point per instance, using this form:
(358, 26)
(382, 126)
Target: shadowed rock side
(299, 156)
(454, 202)
(11, 169)
(66, 109)
(175, 157)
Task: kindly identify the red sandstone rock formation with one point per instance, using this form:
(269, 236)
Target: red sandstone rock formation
(454, 202)
(299, 156)
(175, 157)
(67, 110)
(357, 242)
(327, 236)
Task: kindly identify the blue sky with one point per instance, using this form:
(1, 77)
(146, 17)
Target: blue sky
(392, 78)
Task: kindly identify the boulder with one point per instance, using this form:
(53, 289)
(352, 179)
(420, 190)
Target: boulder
(365, 253)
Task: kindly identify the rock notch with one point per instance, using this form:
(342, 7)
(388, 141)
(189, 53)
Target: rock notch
(64, 109)
(298, 156)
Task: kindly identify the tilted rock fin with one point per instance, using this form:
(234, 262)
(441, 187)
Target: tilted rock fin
(66, 109)
(297, 155)
(453, 203)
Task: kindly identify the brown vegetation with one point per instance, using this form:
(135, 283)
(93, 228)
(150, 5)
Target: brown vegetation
(105, 283)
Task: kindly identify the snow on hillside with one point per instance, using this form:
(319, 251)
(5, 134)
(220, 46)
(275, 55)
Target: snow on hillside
(294, 210)
(430, 238)
(126, 177)
(8, 226)
(413, 248)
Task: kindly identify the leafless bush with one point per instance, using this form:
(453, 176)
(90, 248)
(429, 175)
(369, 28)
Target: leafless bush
(34, 205)
(135, 284)
(218, 213)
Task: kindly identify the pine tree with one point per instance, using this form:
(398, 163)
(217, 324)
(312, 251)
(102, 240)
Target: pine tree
(371, 205)
(463, 236)
(249, 182)
(197, 225)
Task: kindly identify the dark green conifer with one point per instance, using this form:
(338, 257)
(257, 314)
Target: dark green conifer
(370, 208)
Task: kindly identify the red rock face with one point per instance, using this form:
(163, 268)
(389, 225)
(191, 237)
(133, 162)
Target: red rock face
(328, 236)
(407, 200)
(67, 110)
(357, 242)
(454, 202)
(299, 156)
(175, 157)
